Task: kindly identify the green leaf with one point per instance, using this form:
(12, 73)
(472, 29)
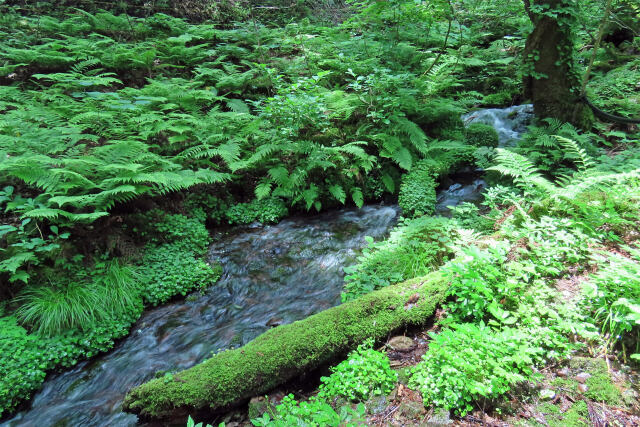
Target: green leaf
(389, 183)
(403, 158)
(238, 106)
(337, 192)
(357, 196)
(263, 190)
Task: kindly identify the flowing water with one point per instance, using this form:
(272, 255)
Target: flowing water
(272, 275)
(510, 123)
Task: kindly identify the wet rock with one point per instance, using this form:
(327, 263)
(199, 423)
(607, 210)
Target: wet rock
(583, 388)
(257, 406)
(376, 404)
(274, 321)
(582, 377)
(547, 394)
(563, 373)
(401, 343)
(411, 409)
(392, 396)
(440, 417)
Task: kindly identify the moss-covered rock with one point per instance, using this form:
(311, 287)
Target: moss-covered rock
(286, 352)
(481, 135)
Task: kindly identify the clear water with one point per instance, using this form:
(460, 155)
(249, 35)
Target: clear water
(272, 275)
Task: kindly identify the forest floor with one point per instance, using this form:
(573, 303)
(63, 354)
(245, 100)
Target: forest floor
(591, 388)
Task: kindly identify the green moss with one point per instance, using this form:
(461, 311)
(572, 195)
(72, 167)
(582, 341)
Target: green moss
(567, 386)
(601, 387)
(403, 375)
(287, 351)
(481, 135)
(576, 416)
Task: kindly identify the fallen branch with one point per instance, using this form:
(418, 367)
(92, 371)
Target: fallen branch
(284, 353)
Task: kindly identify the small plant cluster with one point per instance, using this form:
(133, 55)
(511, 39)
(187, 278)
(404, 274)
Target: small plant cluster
(265, 211)
(415, 247)
(468, 363)
(26, 358)
(481, 135)
(417, 193)
(312, 413)
(365, 373)
(612, 297)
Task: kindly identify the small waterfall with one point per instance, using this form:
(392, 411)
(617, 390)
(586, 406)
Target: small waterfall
(510, 123)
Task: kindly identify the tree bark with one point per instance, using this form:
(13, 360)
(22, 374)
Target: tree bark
(552, 81)
(286, 352)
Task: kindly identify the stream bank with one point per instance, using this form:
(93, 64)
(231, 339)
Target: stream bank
(272, 275)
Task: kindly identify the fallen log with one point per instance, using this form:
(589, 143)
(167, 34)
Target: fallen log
(285, 352)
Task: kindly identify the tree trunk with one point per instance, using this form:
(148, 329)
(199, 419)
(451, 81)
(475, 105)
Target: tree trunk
(551, 79)
(286, 352)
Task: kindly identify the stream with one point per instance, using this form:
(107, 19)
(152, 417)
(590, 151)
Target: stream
(272, 275)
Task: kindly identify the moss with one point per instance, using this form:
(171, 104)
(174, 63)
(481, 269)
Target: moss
(287, 351)
(569, 387)
(576, 416)
(601, 387)
(481, 135)
(403, 375)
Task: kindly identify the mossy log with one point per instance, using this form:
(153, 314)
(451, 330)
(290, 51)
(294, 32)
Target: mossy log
(284, 353)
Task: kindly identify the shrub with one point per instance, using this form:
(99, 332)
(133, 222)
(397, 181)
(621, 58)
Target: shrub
(480, 281)
(468, 216)
(206, 206)
(366, 372)
(266, 211)
(189, 233)
(314, 413)
(417, 193)
(169, 270)
(553, 244)
(471, 362)
(414, 248)
(26, 358)
(481, 135)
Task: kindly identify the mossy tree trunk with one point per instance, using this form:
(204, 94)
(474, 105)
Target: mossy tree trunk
(551, 79)
(286, 352)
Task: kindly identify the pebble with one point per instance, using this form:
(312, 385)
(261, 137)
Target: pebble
(440, 417)
(401, 343)
(563, 373)
(547, 394)
(583, 388)
(582, 377)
